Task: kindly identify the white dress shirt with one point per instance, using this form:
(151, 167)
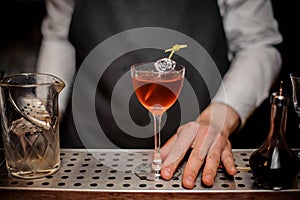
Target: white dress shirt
(251, 32)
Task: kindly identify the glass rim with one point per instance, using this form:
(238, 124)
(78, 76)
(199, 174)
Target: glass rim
(56, 82)
(295, 75)
(132, 67)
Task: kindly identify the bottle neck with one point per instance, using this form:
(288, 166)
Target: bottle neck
(278, 121)
(277, 133)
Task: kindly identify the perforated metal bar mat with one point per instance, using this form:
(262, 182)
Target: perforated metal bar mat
(113, 171)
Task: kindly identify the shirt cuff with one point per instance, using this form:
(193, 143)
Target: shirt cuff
(247, 83)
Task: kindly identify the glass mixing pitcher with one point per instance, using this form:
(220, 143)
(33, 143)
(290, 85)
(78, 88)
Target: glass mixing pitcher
(30, 123)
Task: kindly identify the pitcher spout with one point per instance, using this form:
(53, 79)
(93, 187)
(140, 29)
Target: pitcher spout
(58, 84)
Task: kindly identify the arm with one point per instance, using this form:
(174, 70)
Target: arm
(57, 55)
(251, 31)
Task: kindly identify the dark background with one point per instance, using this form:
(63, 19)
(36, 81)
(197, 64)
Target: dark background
(20, 38)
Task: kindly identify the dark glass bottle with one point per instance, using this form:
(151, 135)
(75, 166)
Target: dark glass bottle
(274, 165)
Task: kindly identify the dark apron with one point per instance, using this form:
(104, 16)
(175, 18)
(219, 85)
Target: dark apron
(94, 21)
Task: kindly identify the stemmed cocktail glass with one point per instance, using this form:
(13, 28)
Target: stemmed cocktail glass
(295, 78)
(157, 91)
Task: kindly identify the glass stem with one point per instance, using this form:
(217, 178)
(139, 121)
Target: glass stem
(157, 161)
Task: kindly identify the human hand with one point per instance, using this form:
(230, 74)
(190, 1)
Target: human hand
(208, 138)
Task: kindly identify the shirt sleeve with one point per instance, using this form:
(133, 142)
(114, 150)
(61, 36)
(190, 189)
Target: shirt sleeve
(57, 55)
(252, 32)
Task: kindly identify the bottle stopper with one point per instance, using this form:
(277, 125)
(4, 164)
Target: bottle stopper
(279, 98)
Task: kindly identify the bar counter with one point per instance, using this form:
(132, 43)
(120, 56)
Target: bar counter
(109, 174)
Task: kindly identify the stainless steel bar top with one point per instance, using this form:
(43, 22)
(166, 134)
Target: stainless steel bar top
(113, 171)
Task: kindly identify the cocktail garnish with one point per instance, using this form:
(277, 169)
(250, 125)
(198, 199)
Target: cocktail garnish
(176, 47)
(167, 64)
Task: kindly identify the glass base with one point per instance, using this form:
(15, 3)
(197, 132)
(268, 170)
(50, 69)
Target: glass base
(145, 172)
(30, 174)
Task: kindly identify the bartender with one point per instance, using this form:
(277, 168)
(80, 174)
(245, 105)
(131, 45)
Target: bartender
(238, 36)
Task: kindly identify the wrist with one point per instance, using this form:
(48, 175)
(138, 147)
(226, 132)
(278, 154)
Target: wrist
(220, 116)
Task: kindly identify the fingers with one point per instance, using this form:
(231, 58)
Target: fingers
(228, 160)
(205, 138)
(168, 146)
(211, 166)
(192, 168)
(220, 149)
(177, 148)
(208, 144)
